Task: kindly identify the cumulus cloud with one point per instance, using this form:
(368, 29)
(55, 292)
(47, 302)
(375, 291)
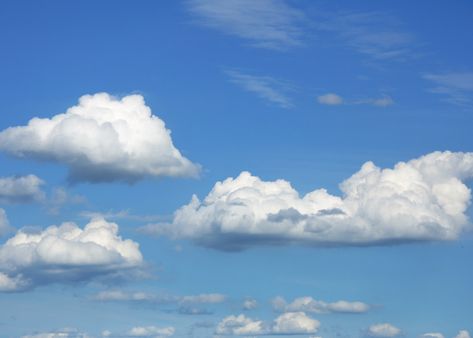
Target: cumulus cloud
(66, 253)
(101, 139)
(151, 331)
(250, 304)
(240, 325)
(21, 189)
(271, 24)
(295, 323)
(424, 199)
(290, 323)
(308, 304)
(383, 330)
(330, 99)
(463, 334)
(4, 223)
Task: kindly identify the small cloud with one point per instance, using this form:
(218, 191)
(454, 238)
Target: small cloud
(384, 330)
(433, 335)
(463, 334)
(4, 223)
(330, 99)
(309, 304)
(21, 189)
(265, 87)
(249, 304)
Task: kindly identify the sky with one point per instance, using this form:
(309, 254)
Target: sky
(236, 168)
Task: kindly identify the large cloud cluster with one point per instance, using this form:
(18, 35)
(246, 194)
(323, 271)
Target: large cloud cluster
(102, 139)
(21, 189)
(289, 323)
(66, 253)
(423, 199)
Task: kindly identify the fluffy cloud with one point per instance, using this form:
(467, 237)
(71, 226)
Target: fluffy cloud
(463, 334)
(290, 323)
(308, 304)
(423, 199)
(151, 331)
(102, 139)
(4, 223)
(330, 99)
(240, 325)
(66, 253)
(250, 304)
(383, 330)
(21, 189)
(295, 323)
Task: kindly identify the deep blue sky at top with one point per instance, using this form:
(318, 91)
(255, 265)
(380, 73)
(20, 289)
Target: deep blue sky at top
(53, 52)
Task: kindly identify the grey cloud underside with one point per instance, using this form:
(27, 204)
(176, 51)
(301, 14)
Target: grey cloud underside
(424, 199)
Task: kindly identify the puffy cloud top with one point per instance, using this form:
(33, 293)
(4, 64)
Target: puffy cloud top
(21, 189)
(420, 200)
(66, 253)
(295, 323)
(103, 138)
(383, 330)
(240, 325)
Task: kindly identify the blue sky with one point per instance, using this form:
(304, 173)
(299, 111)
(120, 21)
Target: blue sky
(340, 134)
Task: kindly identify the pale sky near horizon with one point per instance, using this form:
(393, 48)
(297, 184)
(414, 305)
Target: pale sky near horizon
(236, 168)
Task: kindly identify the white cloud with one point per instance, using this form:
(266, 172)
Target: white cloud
(308, 304)
(383, 330)
(330, 99)
(240, 325)
(290, 323)
(423, 199)
(270, 24)
(250, 304)
(119, 295)
(151, 331)
(336, 100)
(295, 323)
(4, 223)
(21, 189)
(463, 334)
(457, 87)
(103, 138)
(433, 335)
(66, 253)
(63, 333)
(265, 87)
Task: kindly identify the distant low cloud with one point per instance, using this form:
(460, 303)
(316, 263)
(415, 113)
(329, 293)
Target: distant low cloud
(250, 304)
(456, 87)
(63, 333)
(290, 323)
(332, 99)
(463, 334)
(433, 335)
(384, 330)
(151, 331)
(266, 87)
(309, 304)
(270, 24)
(102, 139)
(67, 254)
(21, 189)
(4, 223)
(424, 199)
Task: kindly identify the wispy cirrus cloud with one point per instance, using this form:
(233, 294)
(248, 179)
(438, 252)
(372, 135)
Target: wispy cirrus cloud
(266, 87)
(456, 87)
(270, 24)
(333, 99)
(378, 35)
